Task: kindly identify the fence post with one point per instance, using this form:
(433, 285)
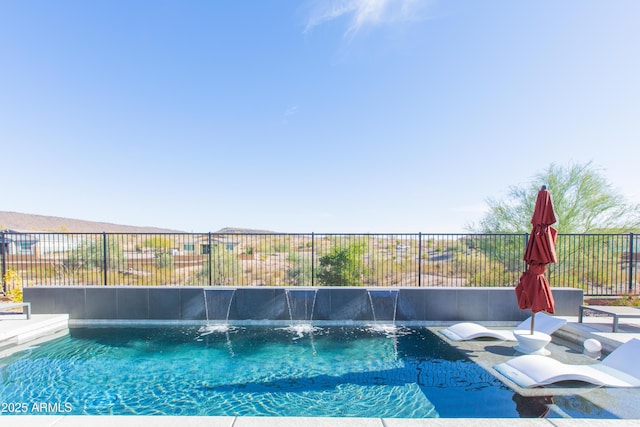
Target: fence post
(210, 264)
(631, 262)
(313, 258)
(3, 248)
(104, 257)
(420, 259)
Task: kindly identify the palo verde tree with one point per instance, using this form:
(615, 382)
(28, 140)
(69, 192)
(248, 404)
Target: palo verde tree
(583, 200)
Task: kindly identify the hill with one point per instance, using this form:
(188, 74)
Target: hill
(236, 230)
(30, 222)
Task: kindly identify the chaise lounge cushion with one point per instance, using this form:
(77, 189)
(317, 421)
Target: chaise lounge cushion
(468, 331)
(618, 369)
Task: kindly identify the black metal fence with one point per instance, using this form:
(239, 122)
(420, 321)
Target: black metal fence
(600, 264)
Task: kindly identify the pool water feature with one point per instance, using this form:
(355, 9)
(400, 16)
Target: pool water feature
(264, 371)
(300, 306)
(220, 304)
(384, 305)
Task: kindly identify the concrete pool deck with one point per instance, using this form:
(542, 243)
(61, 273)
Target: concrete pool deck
(566, 346)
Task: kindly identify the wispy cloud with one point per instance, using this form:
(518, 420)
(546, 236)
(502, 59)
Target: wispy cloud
(365, 13)
(288, 113)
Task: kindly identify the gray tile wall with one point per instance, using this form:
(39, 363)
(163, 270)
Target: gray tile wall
(272, 303)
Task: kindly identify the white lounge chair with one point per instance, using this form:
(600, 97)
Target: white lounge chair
(468, 331)
(618, 369)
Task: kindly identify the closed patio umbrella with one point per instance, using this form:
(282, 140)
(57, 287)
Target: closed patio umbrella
(533, 291)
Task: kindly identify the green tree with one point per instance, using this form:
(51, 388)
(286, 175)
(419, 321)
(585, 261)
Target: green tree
(90, 254)
(93, 255)
(158, 242)
(583, 200)
(343, 266)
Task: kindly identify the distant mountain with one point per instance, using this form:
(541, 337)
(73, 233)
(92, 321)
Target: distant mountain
(243, 231)
(30, 222)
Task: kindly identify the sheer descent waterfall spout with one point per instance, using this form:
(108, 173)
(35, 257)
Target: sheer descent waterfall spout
(217, 307)
(206, 306)
(300, 304)
(383, 304)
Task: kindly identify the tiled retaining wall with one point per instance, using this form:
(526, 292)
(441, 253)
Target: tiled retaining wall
(280, 303)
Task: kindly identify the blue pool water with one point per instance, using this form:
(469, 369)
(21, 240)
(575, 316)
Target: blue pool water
(261, 371)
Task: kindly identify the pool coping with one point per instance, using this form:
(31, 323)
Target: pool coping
(191, 421)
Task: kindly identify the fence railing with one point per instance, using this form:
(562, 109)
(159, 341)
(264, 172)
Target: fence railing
(600, 264)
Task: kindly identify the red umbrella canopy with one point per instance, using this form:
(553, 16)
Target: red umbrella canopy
(533, 292)
(541, 248)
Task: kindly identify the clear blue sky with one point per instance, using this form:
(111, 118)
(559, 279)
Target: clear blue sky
(300, 116)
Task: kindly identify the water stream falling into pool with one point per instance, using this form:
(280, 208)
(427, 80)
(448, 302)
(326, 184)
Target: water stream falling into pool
(210, 327)
(206, 306)
(300, 306)
(386, 302)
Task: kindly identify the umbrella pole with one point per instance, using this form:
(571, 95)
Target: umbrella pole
(533, 319)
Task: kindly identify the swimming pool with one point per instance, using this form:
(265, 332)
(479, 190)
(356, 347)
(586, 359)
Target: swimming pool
(262, 371)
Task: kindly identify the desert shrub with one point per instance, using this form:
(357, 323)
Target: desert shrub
(343, 266)
(164, 260)
(299, 274)
(226, 270)
(91, 254)
(13, 282)
(629, 300)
